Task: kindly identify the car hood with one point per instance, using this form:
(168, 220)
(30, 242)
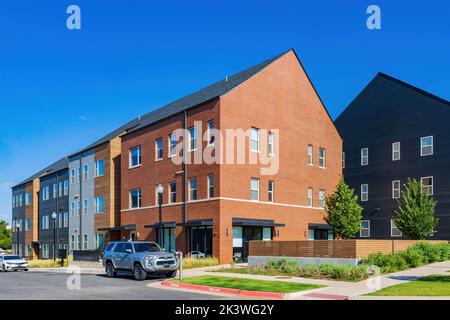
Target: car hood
(156, 254)
(15, 261)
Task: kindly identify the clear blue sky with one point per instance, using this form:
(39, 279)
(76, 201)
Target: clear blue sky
(62, 89)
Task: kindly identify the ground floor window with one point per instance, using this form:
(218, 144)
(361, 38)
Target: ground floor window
(99, 241)
(242, 235)
(85, 242)
(201, 242)
(395, 232)
(167, 239)
(45, 251)
(320, 234)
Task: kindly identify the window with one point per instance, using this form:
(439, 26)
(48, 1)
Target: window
(193, 189)
(85, 241)
(45, 252)
(211, 186)
(13, 201)
(78, 174)
(310, 154)
(66, 188)
(45, 223)
(159, 149)
(27, 199)
(271, 144)
(55, 190)
(78, 206)
(396, 151)
(99, 241)
(426, 146)
(60, 189)
(211, 136)
(192, 139)
(254, 189)
(135, 198)
(396, 189)
(85, 206)
(27, 224)
(135, 157)
(60, 220)
(99, 168)
(364, 192)
(72, 176)
(321, 198)
(395, 232)
(322, 155)
(310, 197)
(20, 224)
(172, 145)
(20, 200)
(254, 140)
(270, 188)
(364, 156)
(343, 160)
(365, 229)
(72, 208)
(172, 192)
(99, 204)
(45, 193)
(427, 185)
(66, 220)
(85, 172)
(72, 242)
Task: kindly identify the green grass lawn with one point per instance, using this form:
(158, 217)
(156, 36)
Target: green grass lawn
(435, 285)
(250, 284)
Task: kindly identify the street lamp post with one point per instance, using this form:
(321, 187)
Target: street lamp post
(160, 190)
(54, 215)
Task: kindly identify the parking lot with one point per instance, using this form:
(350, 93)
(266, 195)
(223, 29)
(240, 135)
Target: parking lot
(47, 286)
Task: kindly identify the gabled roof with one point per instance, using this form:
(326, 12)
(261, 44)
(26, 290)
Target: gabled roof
(59, 165)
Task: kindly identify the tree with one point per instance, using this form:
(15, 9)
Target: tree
(415, 214)
(344, 214)
(5, 235)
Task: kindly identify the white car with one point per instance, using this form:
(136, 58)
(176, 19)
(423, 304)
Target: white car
(12, 263)
(197, 255)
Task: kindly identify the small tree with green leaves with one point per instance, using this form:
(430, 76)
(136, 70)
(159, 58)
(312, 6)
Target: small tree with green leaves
(5, 236)
(415, 214)
(343, 213)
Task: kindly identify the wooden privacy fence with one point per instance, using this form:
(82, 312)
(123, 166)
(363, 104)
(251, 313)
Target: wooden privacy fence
(352, 249)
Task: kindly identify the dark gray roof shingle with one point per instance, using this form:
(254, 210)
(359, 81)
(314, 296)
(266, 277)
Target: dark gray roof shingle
(59, 165)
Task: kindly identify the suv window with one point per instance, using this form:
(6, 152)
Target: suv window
(146, 247)
(119, 247)
(128, 246)
(109, 247)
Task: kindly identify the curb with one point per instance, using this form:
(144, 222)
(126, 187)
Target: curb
(244, 293)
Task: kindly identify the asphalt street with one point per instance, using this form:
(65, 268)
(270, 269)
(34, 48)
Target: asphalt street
(53, 286)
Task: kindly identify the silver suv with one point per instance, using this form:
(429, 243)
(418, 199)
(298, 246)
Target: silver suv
(140, 258)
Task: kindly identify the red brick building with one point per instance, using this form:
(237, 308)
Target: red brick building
(217, 208)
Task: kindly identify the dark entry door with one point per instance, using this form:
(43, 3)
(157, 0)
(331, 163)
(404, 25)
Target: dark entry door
(249, 234)
(201, 240)
(320, 234)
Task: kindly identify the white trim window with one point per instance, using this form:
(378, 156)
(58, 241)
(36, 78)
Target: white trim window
(60, 189)
(193, 139)
(364, 156)
(158, 149)
(45, 193)
(364, 192)
(27, 198)
(45, 223)
(172, 192)
(27, 224)
(427, 185)
(365, 229)
(396, 151)
(271, 146)
(135, 157)
(193, 189)
(135, 198)
(322, 158)
(85, 171)
(271, 188)
(426, 146)
(395, 232)
(85, 241)
(211, 184)
(73, 176)
(396, 189)
(321, 198)
(99, 168)
(78, 174)
(72, 208)
(211, 137)
(254, 189)
(66, 187)
(85, 206)
(99, 204)
(172, 145)
(310, 197)
(254, 139)
(55, 191)
(310, 154)
(66, 220)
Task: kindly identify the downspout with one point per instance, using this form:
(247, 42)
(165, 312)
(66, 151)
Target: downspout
(185, 211)
(80, 211)
(57, 214)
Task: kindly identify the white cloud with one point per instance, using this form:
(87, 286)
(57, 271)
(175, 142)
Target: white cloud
(83, 118)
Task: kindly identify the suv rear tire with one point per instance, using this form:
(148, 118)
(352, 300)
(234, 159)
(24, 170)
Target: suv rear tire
(139, 273)
(171, 274)
(110, 270)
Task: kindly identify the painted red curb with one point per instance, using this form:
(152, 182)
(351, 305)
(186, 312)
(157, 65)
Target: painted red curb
(245, 293)
(326, 296)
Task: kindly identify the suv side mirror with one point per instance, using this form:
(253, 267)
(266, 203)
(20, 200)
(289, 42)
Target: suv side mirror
(163, 250)
(129, 251)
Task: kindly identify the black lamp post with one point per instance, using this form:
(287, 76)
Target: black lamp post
(54, 215)
(160, 190)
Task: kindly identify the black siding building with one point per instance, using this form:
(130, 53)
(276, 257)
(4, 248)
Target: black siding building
(18, 219)
(400, 131)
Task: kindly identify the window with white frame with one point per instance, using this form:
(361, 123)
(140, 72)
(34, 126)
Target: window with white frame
(99, 204)
(45, 193)
(27, 224)
(72, 208)
(72, 242)
(66, 188)
(254, 139)
(364, 156)
(135, 157)
(99, 168)
(271, 144)
(55, 190)
(321, 198)
(66, 220)
(172, 192)
(310, 197)
(396, 151)
(60, 220)
(73, 176)
(270, 188)
(310, 154)
(193, 189)
(85, 206)
(254, 189)
(45, 223)
(172, 145)
(85, 241)
(45, 251)
(192, 139)
(365, 229)
(426, 146)
(211, 186)
(78, 206)
(60, 189)
(78, 174)
(322, 158)
(427, 185)
(396, 192)
(364, 192)
(211, 136)
(395, 232)
(135, 198)
(159, 149)
(27, 198)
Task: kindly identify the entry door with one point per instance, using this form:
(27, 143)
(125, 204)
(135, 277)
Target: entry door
(201, 240)
(250, 233)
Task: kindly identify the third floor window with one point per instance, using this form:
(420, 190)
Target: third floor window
(396, 151)
(135, 157)
(254, 140)
(322, 158)
(426, 146)
(364, 156)
(159, 149)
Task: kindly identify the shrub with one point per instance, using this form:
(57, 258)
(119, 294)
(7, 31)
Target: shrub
(413, 257)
